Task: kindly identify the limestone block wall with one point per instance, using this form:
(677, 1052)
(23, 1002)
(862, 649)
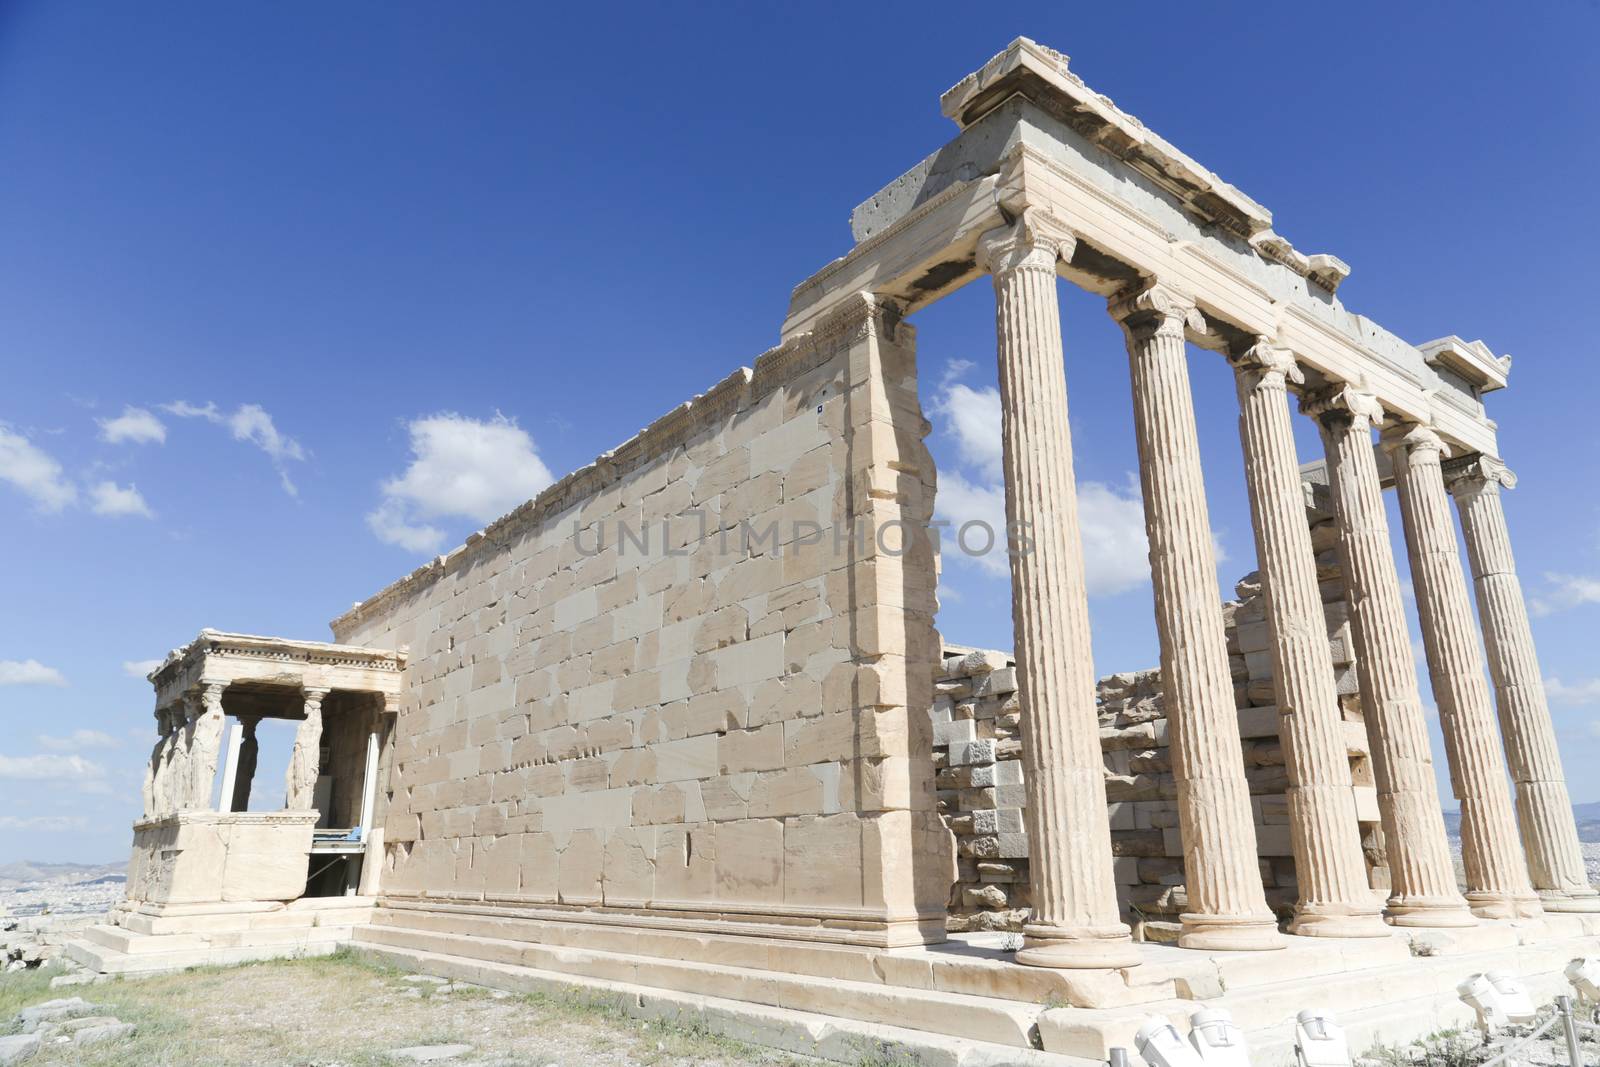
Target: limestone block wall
(712, 726)
(981, 795)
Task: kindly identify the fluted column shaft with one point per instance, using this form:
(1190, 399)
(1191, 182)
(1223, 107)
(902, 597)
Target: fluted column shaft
(1497, 872)
(1544, 809)
(1222, 872)
(206, 745)
(300, 781)
(1422, 872)
(1334, 897)
(1075, 920)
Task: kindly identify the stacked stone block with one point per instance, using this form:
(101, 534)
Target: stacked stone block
(975, 714)
(714, 725)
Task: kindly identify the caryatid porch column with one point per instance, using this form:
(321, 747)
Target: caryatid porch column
(1075, 920)
(1422, 872)
(1497, 871)
(1228, 909)
(1544, 810)
(154, 787)
(1335, 899)
(180, 755)
(206, 744)
(300, 782)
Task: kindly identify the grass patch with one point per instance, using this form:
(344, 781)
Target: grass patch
(18, 989)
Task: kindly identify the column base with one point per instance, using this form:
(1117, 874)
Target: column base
(1231, 933)
(1090, 947)
(1486, 905)
(1322, 921)
(1439, 913)
(1574, 901)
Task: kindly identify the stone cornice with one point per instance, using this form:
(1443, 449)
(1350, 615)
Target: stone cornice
(1042, 75)
(272, 649)
(1470, 360)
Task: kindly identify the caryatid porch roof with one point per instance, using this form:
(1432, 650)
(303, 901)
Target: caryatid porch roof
(215, 656)
(1034, 136)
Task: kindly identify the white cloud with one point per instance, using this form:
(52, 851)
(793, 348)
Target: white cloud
(460, 467)
(50, 768)
(972, 417)
(44, 823)
(34, 472)
(1110, 520)
(1566, 591)
(252, 424)
(1577, 694)
(136, 425)
(79, 740)
(139, 668)
(109, 498)
(29, 672)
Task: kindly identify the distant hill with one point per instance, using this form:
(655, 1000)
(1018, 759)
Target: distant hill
(1588, 816)
(34, 871)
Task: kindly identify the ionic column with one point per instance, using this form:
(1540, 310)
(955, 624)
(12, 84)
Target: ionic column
(206, 745)
(1075, 921)
(1544, 810)
(300, 783)
(1221, 869)
(1335, 899)
(1422, 873)
(1497, 872)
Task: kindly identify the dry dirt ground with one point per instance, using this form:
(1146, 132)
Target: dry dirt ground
(341, 1012)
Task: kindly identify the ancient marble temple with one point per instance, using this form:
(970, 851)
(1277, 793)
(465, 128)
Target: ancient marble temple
(614, 741)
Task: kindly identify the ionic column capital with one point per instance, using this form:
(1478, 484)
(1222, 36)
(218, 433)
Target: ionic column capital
(1266, 364)
(1035, 241)
(1153, 309)
(1416, 439)
(1343, 405)
(1467, 476)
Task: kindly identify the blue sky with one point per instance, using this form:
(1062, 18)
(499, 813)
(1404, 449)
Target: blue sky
(367, 274)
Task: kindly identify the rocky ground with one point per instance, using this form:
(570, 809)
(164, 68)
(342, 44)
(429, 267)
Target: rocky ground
(41, 904)
(340, 1012)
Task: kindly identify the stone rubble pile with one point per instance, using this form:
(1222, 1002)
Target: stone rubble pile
(72, 1021)
(980, 789)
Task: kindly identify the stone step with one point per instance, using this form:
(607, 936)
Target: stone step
(805, 1033)
(132, 943)
(988, 1019)
(295, 916)
(954, 967)
(104, 959)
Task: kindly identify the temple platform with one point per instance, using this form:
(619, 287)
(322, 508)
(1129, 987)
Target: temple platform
(965, 998)
(160, 938)
(961, 1002)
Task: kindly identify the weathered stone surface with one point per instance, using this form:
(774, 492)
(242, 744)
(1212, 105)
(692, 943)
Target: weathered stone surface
(18, 1048)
